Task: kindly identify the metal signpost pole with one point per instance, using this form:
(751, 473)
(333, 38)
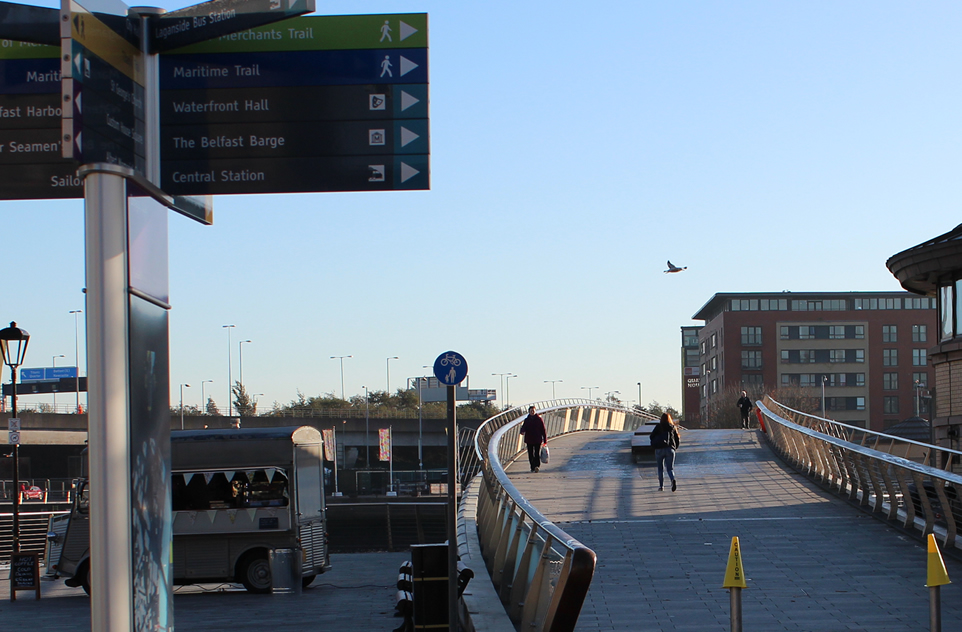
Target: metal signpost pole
(110, 542)
(452, 510)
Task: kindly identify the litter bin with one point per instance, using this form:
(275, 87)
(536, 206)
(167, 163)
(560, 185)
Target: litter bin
(285, 571)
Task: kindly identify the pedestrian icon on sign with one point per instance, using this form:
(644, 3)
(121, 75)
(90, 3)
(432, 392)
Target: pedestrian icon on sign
(386, 66)
(386, 31)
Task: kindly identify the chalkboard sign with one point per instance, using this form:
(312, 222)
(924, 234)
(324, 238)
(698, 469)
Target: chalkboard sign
(24, 573)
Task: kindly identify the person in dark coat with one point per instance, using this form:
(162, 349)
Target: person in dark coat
(535, 436)
(665, 440)
(745, 406)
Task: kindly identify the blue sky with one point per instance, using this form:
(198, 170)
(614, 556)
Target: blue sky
(767, 146)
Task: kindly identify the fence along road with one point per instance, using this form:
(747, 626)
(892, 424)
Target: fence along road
(813, 561)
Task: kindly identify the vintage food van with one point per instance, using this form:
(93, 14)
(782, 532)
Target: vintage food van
(236, 494)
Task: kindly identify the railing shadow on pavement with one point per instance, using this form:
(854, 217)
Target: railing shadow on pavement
(540, 573)
(900, 489)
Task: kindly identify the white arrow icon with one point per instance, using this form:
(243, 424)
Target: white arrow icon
(408, 100)
(408, 137)
(407, 172)
(407, 31)
(78, 62)
(407, 65)
(78, 103)
(78, 144)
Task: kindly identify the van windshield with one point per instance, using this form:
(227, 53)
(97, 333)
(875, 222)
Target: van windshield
(195, 491)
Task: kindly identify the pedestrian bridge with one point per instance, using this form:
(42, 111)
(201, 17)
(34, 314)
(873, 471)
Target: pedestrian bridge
(828, 517)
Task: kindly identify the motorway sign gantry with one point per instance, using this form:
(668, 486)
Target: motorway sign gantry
(30, 144)
(310, 104)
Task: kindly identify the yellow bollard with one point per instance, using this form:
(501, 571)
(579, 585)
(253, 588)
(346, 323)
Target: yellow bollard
(735, 581)
(937, 577)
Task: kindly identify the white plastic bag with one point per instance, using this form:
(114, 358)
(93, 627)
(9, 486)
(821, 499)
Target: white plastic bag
(544, 454)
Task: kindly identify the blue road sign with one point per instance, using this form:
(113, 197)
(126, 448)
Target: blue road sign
(450, 368)
(31, 375)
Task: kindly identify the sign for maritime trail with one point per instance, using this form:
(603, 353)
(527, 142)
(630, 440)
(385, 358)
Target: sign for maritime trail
(310, 104)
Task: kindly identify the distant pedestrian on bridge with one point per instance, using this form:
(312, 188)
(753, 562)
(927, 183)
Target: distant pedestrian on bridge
(535, 436)
(665, 440)
(745, 406)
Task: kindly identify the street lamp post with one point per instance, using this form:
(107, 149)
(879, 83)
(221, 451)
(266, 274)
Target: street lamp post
(420, 422)
(589, 389)
(182, 404)
(53, 363)
(609, 394)
(341, 358)
(502, 386)
(388, 363)
(230, 377)
(203, 397)
(76, 349)
(552, 386)
(507, 388)
(240, 359)
(367, 423)
(640, 404)
(13, 347)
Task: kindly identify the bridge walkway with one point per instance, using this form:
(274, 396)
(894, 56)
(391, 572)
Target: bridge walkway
(813, 562)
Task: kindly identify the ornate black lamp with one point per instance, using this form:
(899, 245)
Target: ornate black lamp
(13, 348)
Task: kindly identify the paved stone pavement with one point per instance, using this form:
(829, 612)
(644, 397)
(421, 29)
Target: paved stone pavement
(357, 594)
(813, 562)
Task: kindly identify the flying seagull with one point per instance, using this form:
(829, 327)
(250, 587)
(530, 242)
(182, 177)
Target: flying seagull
(673, 268)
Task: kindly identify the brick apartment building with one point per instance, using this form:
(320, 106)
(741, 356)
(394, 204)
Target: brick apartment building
(869, 348)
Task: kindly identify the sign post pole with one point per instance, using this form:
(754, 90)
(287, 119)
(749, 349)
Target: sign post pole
(451, 368)
(110, 543)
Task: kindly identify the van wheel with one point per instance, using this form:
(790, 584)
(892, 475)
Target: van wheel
(307, 580)
(85, 578)
(255, 573)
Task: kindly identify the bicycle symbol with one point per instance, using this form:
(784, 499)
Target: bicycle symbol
(451, 359)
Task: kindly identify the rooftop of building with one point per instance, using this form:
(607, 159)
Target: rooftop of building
(719, 302)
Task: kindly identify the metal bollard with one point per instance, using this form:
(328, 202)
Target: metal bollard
(937, 577)
(285, 571)
(735, 582)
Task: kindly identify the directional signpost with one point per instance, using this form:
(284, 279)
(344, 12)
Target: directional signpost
(317, 103)
(138, 108)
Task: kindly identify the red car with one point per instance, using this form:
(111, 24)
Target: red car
(33, 493)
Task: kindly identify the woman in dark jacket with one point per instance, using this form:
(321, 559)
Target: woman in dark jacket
(665, 440)
(535, 436)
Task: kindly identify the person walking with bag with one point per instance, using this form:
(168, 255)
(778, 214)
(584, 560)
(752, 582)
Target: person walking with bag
(665, 440)
(535, 436)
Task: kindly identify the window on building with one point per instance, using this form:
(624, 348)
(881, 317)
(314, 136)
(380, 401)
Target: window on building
(890, 381)
(691, 357)
(890, 333)
(921, 379)
(773, 304)
(859, 332)
(859, 379)
(713, 363)
(752, 360)
(714, 386)
(805, 332)
(836, 332)
(714, 340)
(751, 335)
(704, 347)
(860, 355)
(919, 333)
(806, 355)
(859, 403)
(808, 379)
(753, 379)
(783, 332)
(919, 357)
(890, 404)
(837, 355)
(890, 357)
(919, 303)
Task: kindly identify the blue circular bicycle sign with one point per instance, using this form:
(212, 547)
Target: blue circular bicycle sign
(450, 368)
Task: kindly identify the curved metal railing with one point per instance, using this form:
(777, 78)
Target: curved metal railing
(541, 573)
(901, 489)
